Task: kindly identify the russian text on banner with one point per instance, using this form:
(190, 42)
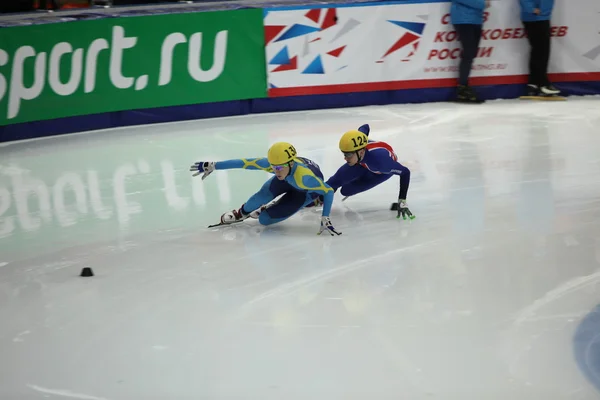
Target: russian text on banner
(88, 67)
(414, 45)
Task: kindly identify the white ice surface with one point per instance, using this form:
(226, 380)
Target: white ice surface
(478, 298)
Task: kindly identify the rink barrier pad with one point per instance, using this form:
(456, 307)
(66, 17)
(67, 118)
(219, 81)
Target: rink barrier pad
(310, 64)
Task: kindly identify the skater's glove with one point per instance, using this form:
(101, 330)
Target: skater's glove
(203, 166)
(403, 210)
(327, 226)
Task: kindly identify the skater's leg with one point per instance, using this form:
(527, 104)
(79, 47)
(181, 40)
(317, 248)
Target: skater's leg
(291, 202)
(364, 183)
(269, 190)
(346, 174)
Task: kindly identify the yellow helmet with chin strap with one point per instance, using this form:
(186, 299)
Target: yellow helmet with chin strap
(353, 141)
(281, 153)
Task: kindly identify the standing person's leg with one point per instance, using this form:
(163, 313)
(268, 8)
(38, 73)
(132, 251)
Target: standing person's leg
(544, 51)
(469, 36)
(544, 54)
(538, 35)
(534, 81)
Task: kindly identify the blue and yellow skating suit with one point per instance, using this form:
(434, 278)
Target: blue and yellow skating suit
(305, 175)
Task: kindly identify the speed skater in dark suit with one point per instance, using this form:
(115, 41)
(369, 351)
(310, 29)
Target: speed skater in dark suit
(369, 163)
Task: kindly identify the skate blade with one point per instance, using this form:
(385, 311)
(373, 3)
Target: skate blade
(466, 101)
(224, 224)
(544, 98)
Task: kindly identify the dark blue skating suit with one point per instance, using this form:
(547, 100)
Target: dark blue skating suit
(378, 165)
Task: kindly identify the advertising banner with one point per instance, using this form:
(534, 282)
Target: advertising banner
(88, 67)
(414, 45)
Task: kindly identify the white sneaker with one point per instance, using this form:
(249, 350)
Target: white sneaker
(549, 90)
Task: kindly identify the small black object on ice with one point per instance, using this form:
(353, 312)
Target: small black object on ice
(87, 271)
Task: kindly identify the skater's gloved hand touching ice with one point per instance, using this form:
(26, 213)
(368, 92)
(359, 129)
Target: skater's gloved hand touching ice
(326, 225)
(403, 210)
(203, 166)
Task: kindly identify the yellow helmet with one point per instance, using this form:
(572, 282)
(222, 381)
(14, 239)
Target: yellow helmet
(281, 153)
(353, 141)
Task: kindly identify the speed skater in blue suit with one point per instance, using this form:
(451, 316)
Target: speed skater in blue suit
(369, 163)
(298, 179)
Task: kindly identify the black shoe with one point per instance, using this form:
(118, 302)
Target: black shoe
(533, 90)
(465, 94)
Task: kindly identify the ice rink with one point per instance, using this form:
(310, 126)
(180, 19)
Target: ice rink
(489, 294)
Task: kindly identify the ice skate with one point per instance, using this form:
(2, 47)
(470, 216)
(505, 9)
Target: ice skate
(232, 217)
(256, 213)
(465, 94)
(547, 92)
(235, 216)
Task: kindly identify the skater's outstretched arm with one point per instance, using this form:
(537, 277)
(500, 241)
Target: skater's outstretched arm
(365, 129)
(207, 167)
(305, 179)
(388, 165)
(260, 163)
